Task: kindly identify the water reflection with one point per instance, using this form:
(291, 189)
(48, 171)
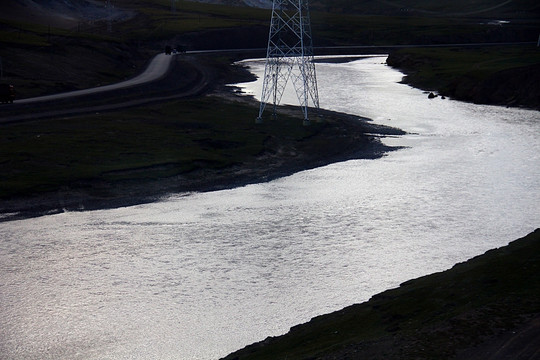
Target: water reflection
(198, 276)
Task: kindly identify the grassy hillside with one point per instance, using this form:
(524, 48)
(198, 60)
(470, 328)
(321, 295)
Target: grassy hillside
(492, 75)
(485, 306)
(478, 8)
(40, 58)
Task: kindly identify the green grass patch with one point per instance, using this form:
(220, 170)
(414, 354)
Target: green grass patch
(24, 33)
(186, 7)
(157, 21)
(438, 67)
(22, 38)
(495, 9)
(387, 30)
(134, 145)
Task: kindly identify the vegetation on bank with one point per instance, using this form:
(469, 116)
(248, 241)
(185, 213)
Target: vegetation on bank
(455, 8)
(498, 75)
(135, 145)
(489, 304)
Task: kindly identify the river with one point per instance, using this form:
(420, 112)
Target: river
(199, 275)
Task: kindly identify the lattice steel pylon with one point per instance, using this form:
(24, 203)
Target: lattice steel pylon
(290, 56)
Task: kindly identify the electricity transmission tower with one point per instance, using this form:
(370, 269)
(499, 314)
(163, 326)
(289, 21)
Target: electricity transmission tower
(289, 56)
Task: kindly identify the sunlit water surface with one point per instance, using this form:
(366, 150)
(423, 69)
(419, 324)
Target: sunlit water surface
(197, 276)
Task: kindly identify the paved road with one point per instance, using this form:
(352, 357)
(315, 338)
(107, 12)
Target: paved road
(157, 68)
(161, 81)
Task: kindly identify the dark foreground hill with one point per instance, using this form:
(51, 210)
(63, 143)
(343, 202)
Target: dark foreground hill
(486, 308)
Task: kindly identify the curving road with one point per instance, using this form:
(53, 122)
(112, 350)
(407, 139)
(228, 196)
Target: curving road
(159, 82)
(158, 67)
(160, 76)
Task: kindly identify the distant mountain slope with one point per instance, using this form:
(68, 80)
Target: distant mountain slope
(59, 13)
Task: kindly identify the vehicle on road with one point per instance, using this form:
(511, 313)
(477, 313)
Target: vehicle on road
(179, 49)
(7, 93)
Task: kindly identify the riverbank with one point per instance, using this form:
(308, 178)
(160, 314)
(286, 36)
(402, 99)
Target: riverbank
(485, 308)
(140, 155)
(497, 75)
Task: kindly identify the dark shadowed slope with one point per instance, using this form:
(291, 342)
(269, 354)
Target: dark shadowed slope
(486, 308)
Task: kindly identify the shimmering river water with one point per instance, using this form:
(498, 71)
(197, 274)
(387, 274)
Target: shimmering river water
(197, 276)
